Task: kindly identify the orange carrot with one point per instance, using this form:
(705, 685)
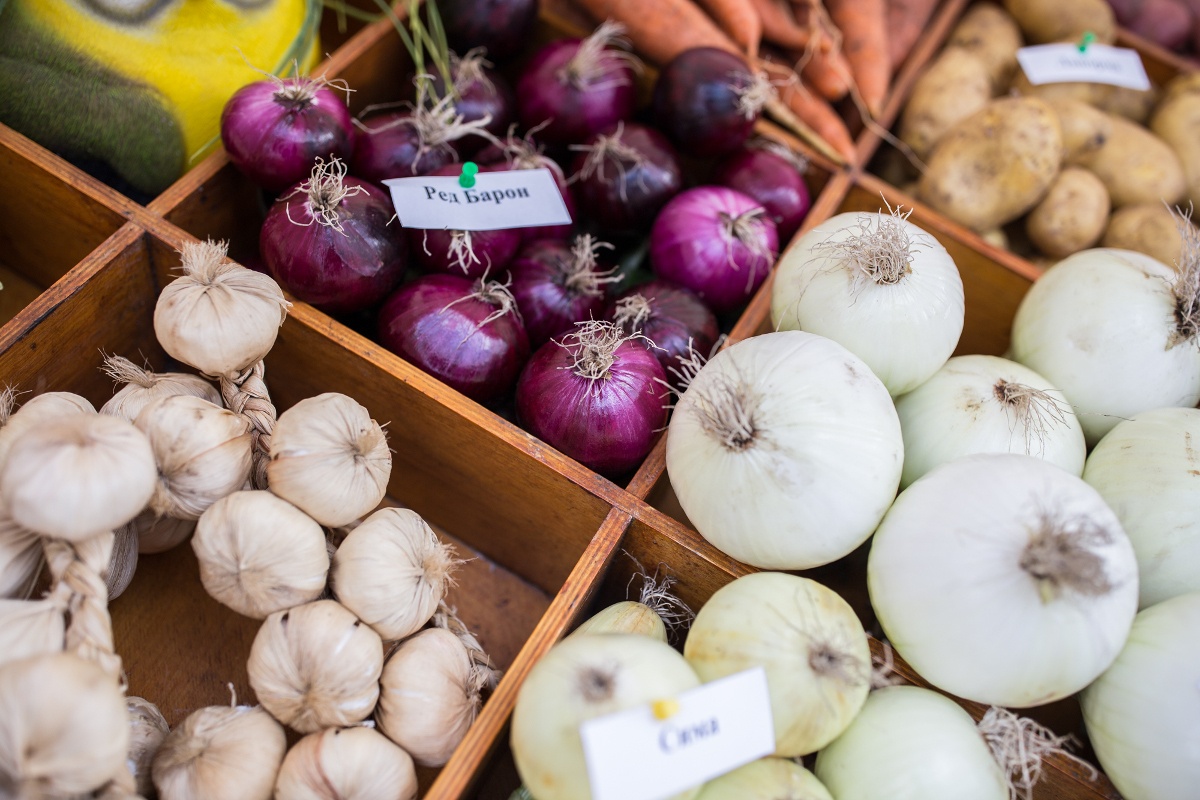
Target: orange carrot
(779, 25)
(906, 19)
(822, 64)
(864, 43)
(661, 29)
(738, 20)
(814, 115)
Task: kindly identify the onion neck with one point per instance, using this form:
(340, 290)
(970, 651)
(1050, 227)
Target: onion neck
(754, 95)
(878, 250)
(588, 63)
(1061, 556)
(468, 70)
(727, 412)
(595, 348)
(496, 294)
(597, 683)
(326, 191)
(1186, 288)
(633, 312)
(747, 229)
(1034, 410)
(581, 275)
(827, 660)
(610, 147)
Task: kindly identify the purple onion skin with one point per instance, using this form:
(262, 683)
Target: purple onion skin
(547, 305)
(450, 342)
(677, 318)
(609, 424)
(494, 249)
(629, 204)
(492, 158)
(574, 112)
(696, 102)
(771, 180)
(688, 245)
(275, 142)
(475, 101)
(394, 152)
(502, 26)
(338, 273)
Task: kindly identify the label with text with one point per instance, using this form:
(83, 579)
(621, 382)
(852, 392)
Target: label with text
(523, 198)
(1096, 63)
(713, 729)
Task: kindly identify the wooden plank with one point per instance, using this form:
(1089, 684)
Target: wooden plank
(17, 292)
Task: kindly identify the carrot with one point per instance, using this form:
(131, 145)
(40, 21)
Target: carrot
(779, 25)
(661, 29)
(906, 19)
(822, 64)
(738, 20)
(864, 43)
(807, 115)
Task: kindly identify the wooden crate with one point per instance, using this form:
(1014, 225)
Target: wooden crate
(548, 537)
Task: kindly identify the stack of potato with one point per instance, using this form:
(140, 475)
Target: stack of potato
(1056, 168)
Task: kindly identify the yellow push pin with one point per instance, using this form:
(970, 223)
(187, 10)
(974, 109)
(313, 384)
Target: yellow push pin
(664, 709)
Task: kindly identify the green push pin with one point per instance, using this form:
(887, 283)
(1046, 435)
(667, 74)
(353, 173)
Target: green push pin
(467, 179)
(1088, 38)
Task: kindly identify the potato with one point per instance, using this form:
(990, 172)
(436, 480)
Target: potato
(1055, 20)
(989, 33)
(1085, 129)
(1133, 104)
(996, 237)
(1148, 228)
(1072, 215)
(1177, 122)
(1136, 166)
(995, 165)
(954, 87)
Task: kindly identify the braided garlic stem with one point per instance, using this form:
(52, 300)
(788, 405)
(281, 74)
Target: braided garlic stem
(247, 395)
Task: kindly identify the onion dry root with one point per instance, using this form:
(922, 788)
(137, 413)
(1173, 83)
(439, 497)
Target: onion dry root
(880, 253)
(1186, 287)
(1019, 746)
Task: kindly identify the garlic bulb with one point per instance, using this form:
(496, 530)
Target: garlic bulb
(259, 554)
(123, 563)
(339, 763)
(316, 666)
(77, 477)
(31, 627)
(392, 571)
(142, 387)
(147, 730)
(329, 459)
(219, 752)
(203, 453)
(157, 534)
(430, 692)
(38, 409)
(20, 557)
(218, 317)
(63, 729)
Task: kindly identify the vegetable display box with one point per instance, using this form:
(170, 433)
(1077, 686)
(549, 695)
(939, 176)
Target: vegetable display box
(548, 540)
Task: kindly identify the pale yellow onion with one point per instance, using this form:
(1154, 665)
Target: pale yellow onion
(259, 554)
(316, 666)
(430, 692)
(142, 387)
(157, 534)
(218, 317)
(30, 628)
(63, 728)
(78, 477)
(807, 639)
(37, 409)
(219, 752)
(123, 563)
(766, 779)
(20, 557)
(147, 730)
(392, 571)
(346, 764)
(580, 678)
(329, 459)
(203, 451)
(626, 616)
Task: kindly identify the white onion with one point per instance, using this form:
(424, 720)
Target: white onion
(785, 451)
(985, 404)
(1143, 713)
(1102, 326)
(1003, 579)
(910, 743)
(766, 779)
(808, 640)
(878, 285)
(1148, 470)
(580, 678)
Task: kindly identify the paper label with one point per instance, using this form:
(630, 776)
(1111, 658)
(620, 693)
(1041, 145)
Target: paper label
(718, 727)
(1097, 63)
(523, 198)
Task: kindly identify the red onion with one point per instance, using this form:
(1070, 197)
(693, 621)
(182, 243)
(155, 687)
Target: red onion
(625, 175)
(389, 145)
(501, 26)
(673, 320)
(274, 130)
(466, 334)
(557, 284)
(707, 101)
(329, 243)
(482, 94)
(577, 87)
(715, 241)
(772, 175)
(526, 154)
(596, 396)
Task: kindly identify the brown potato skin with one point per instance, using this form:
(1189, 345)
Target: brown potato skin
(1055, 20)
(1085, 129)
(989, 33)
(1072, 216)
(1136, 166)
(995, 165)
(1177, 122)
(954, 87)
(1147, 228)
(1132, 104)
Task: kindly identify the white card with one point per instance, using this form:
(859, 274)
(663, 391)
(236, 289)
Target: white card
(718, 727)
(1097, 63)
(523, 198)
